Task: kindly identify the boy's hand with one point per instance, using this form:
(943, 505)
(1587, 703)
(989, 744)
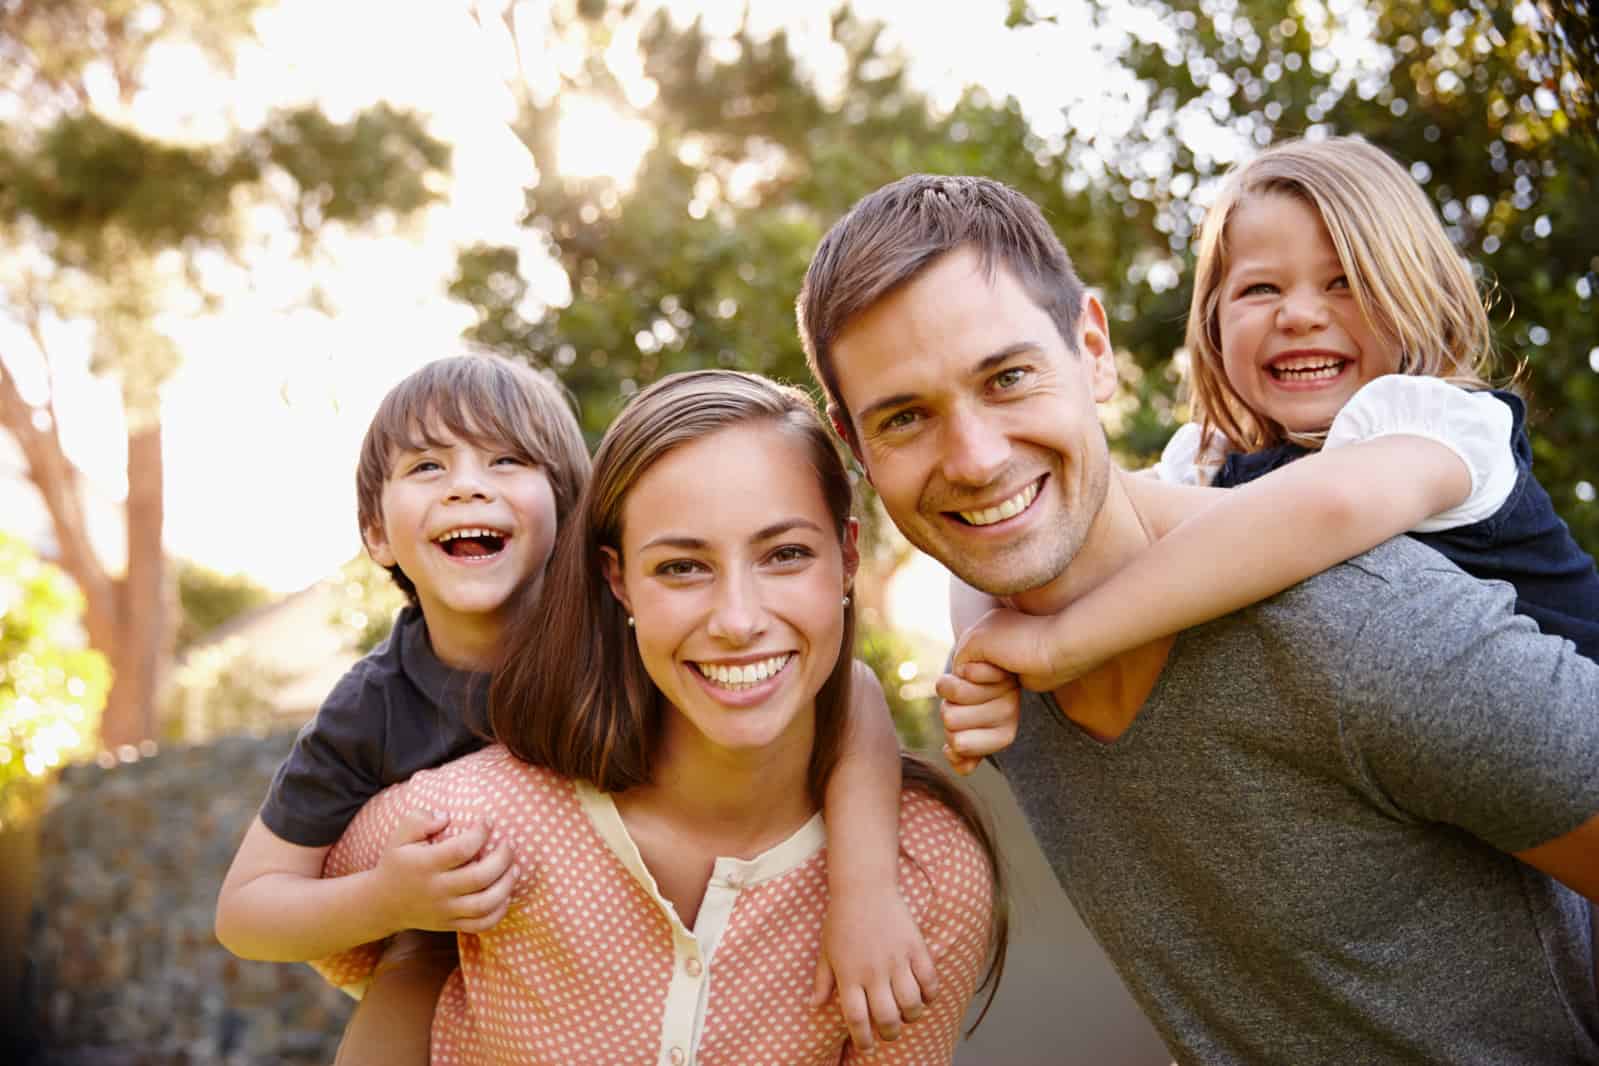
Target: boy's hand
(874, 956)
(1043, 651)
(445, 885)
(981, 710)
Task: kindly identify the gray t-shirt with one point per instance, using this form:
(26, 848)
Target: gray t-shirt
(397, 711)
(1297, 852)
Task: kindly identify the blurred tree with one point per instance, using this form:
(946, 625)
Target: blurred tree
(51, 687)
(368, 599)
(696, 260)
(106, 226)
(207, 599)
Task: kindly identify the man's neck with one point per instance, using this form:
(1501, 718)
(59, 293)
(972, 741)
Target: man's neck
(1104, 701)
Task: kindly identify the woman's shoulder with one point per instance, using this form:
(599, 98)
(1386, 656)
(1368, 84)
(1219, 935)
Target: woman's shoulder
(937, 838)
(491, 771)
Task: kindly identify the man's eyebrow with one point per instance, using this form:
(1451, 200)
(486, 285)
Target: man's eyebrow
(686, 543)
(981, 367)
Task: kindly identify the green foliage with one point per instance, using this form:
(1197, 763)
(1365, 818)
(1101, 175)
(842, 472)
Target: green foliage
(207, 599)
(894, 660)
(51, 688)
(698, 262)
(218, 690)
(368, 600)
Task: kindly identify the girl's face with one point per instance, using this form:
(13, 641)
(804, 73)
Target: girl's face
(733, 570)
(1294, 343)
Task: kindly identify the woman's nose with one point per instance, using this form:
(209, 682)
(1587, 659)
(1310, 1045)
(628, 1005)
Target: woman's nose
(739, 616)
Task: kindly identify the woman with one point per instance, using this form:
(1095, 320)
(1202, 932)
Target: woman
(668, 717)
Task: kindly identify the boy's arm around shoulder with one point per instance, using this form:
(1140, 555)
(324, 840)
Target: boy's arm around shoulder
(1455, 709)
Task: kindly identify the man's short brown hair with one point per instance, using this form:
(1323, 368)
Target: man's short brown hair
(481, 398)
(895, 233)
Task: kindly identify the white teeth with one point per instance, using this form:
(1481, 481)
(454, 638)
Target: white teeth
(1013, 506)
(471, 531)
(1309, 368)
(748, 674)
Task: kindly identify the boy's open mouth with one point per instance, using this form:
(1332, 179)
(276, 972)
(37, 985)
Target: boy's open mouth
(473, 542)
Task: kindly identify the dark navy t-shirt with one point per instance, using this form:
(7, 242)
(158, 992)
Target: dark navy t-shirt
(1524, 542)
(397, 711)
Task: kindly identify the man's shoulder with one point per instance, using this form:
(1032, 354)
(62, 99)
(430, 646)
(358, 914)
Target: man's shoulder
(1397, 571)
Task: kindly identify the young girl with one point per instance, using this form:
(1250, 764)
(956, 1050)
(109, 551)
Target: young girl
(1333, 321)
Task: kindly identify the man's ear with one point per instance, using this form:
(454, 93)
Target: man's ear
(611, 560)
(1093, 344)
(840, 420)
(852, 551)
(377, 546)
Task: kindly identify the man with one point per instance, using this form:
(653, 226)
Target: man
(1352, 824)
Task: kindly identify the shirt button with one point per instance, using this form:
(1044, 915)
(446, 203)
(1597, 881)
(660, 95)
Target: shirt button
(693, 967)
(735, 880)
(677, 1056)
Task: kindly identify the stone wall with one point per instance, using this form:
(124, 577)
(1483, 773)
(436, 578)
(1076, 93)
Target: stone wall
(122, 966)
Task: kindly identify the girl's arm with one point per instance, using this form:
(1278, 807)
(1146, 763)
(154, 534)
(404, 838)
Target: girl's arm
(275, 905)
(871, 947)
(1252, 543)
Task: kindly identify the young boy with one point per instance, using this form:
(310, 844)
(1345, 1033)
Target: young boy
(466, 472)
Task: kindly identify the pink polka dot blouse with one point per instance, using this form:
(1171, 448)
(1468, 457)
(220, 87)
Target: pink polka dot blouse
(592, 965)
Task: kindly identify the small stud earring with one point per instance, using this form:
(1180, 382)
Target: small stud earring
(846, 599)
(630, 621)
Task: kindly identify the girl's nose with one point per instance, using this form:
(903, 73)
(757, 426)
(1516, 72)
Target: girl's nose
(1302, 311)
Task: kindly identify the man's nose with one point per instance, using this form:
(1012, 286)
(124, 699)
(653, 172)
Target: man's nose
(975, 448)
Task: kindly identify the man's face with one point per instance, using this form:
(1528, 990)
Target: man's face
(977, 424)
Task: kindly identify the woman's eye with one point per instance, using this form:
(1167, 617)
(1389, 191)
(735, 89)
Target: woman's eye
(791, 553)
(678, 568)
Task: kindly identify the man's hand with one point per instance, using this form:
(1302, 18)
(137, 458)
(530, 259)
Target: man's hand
(444, 884)
(1045, 652)
(982, 707)
(873, 954)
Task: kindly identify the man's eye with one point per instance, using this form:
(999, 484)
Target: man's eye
(898, 420)
(1009, 378)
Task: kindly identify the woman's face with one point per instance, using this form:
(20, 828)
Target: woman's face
(732, 569)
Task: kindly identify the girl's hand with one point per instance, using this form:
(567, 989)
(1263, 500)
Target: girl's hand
(444, 884)
(874, 955)
(982, 707)
(1044, 652)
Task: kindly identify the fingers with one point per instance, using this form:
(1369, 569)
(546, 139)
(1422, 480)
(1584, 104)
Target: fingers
(465, 879)
(482, 911)
(954, 689)
(822, 983)
(884, 1007)
(979, 672)
(961, 764)
(453, 851)
(925, 972)
(909, 1001)
(416, 825)
(857, 1018)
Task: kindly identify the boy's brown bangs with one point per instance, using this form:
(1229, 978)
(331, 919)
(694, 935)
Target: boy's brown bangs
(439, 417)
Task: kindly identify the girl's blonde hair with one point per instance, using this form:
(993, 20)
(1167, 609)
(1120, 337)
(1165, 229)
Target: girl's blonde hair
(1407, 278)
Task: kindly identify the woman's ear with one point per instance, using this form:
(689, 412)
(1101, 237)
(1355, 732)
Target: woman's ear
(852, 551)
(611, 559)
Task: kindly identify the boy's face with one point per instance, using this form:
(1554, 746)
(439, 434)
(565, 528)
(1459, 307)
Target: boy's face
(467, 523)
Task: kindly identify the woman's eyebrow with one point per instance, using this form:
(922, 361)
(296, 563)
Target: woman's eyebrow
(682, 542)
(778, 528)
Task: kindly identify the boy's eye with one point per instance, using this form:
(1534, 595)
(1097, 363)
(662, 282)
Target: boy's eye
(898, 420)
(422, 466)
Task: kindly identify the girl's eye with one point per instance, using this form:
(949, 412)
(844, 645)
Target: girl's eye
(513, 460)
(1340, 282)
(1259, 288)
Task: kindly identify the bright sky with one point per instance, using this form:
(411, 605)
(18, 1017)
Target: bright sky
(264, 420)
